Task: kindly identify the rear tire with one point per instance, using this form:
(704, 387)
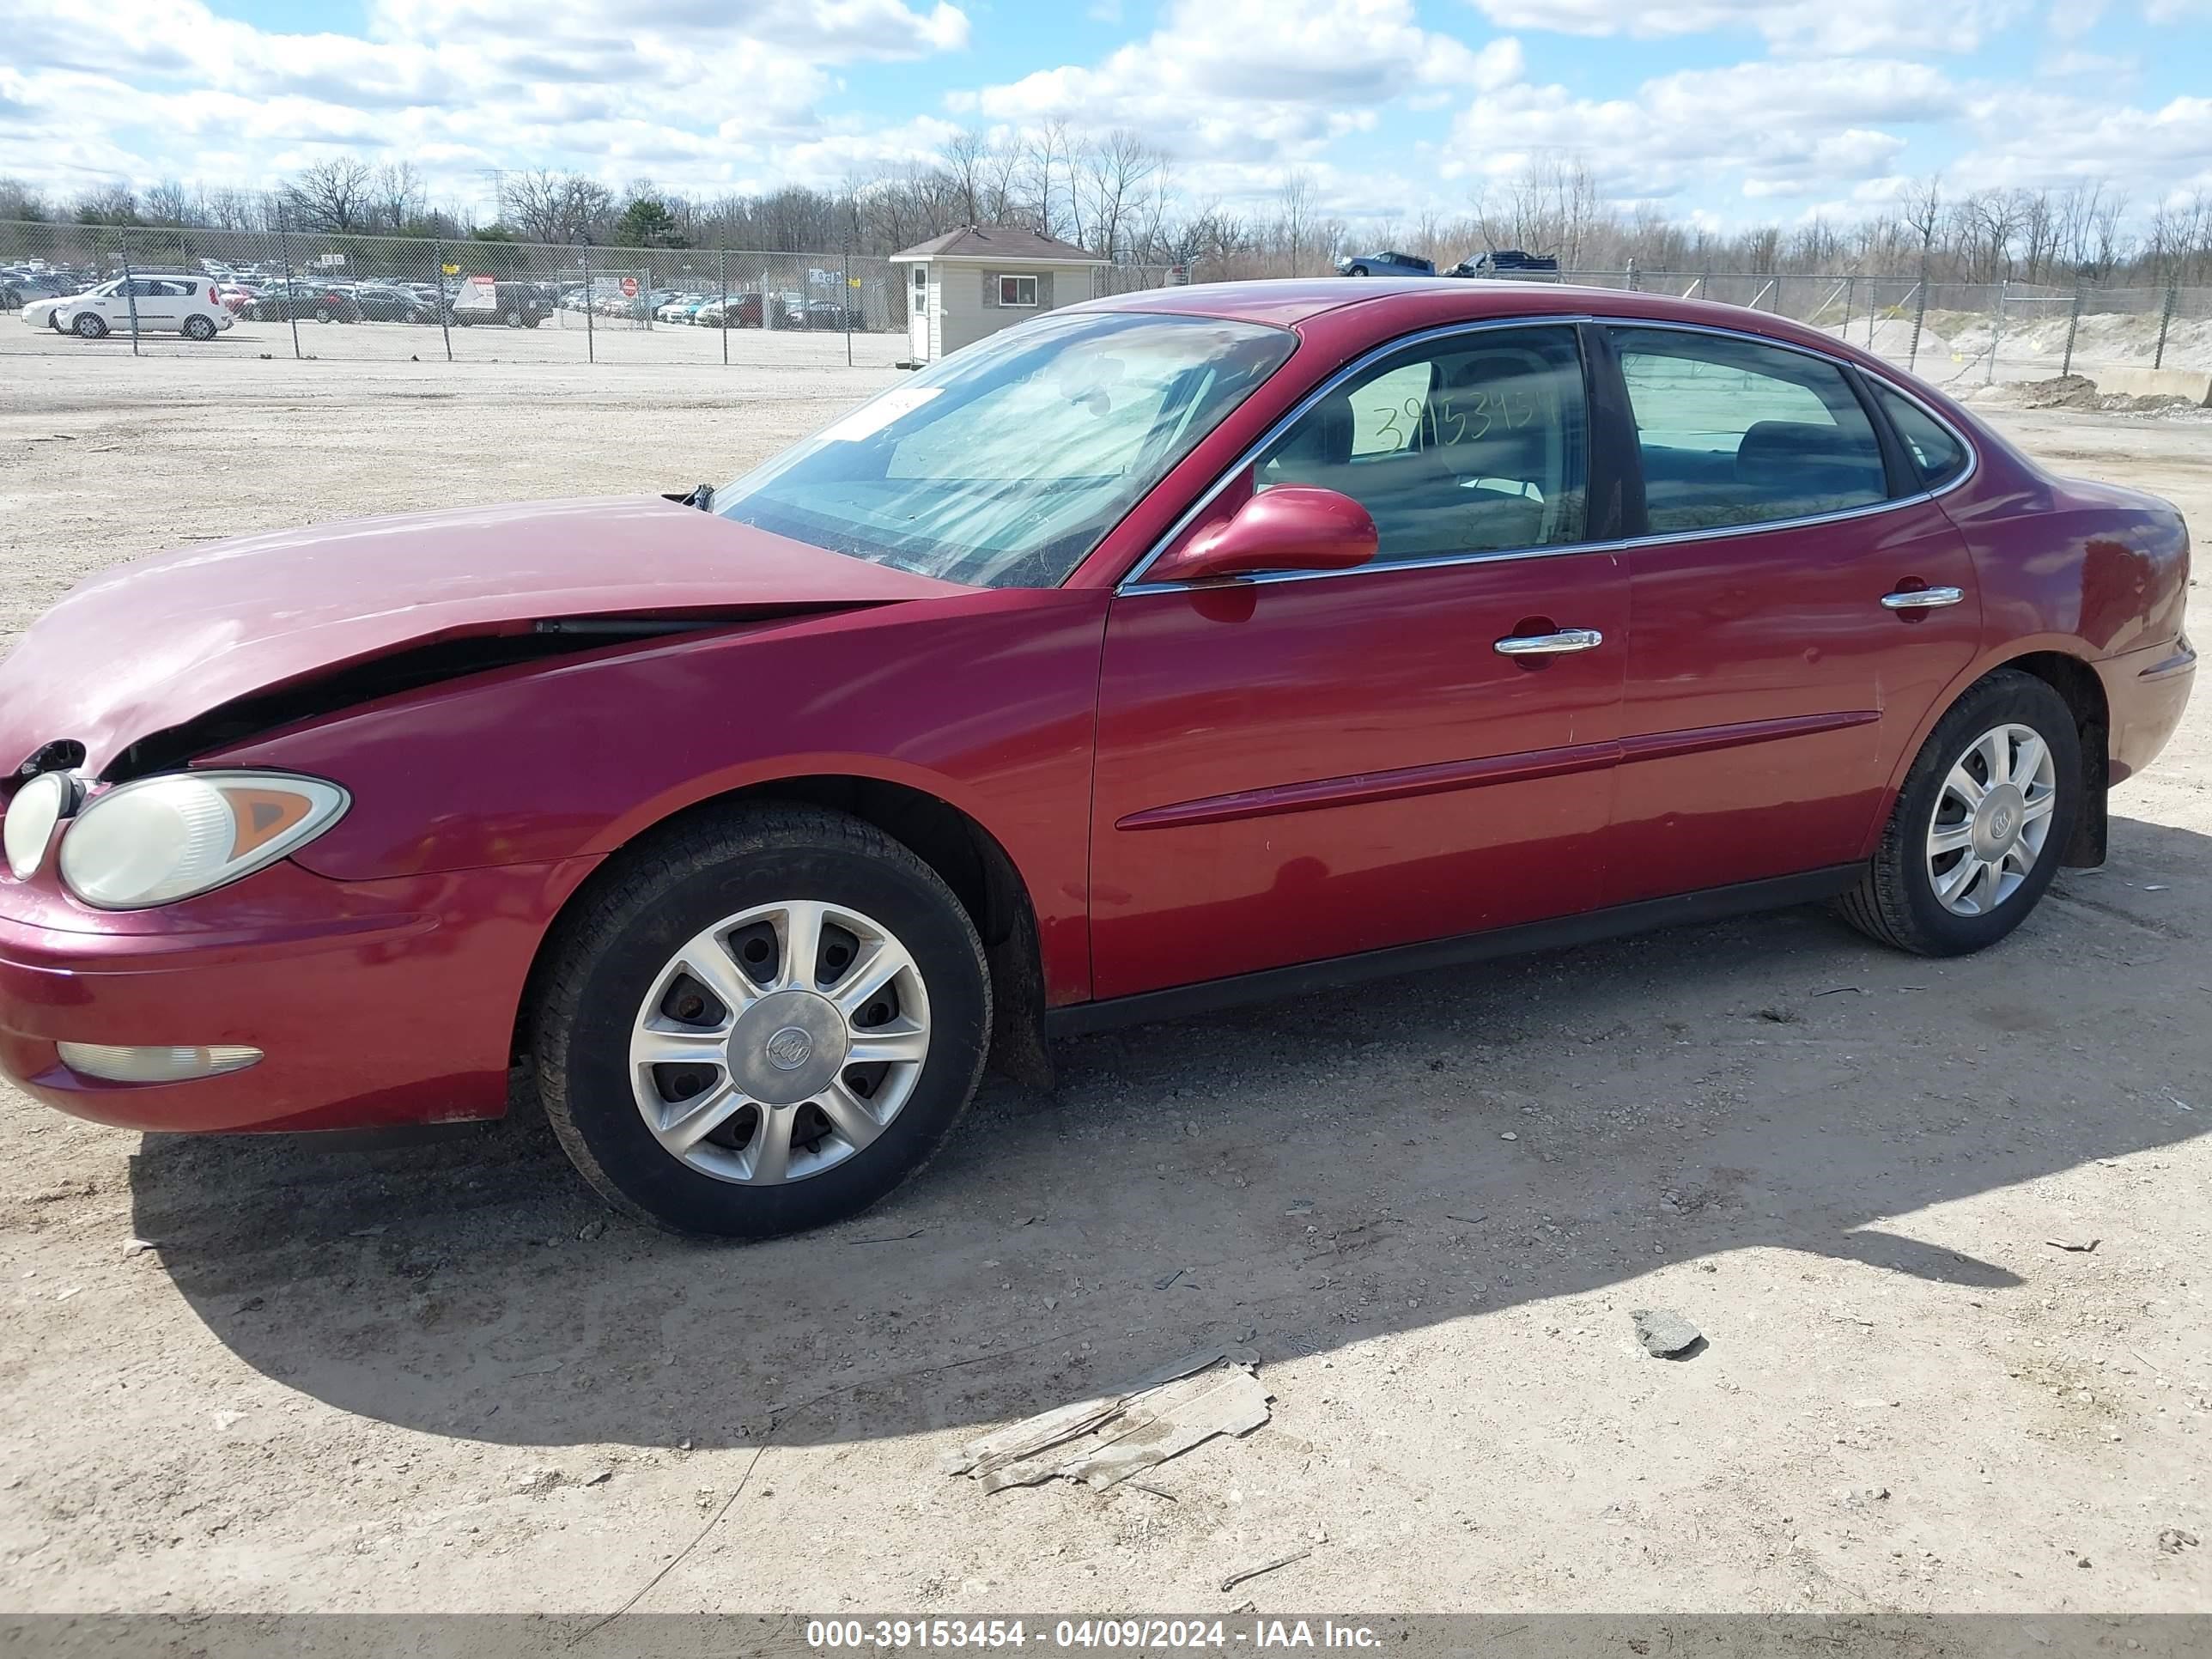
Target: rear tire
(686, 949)
(1978, 829)
(199, 328)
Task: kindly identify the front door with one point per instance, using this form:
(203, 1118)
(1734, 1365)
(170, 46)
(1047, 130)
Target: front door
(1305, 766)
(917, 315)
(1770, 690)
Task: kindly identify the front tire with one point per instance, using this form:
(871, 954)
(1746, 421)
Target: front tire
(762, 1022)
(89, 327)
(1978, 829)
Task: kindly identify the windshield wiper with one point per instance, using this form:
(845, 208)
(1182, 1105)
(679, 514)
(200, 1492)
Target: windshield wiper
(699, 495)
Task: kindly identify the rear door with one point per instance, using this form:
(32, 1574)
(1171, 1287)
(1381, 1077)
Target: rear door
(1771, 690)
(1305, 766)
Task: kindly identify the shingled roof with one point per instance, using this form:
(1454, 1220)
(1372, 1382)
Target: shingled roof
(1000, 242)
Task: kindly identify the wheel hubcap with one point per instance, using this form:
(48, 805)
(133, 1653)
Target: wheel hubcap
(1992, 817)
(780, 1041)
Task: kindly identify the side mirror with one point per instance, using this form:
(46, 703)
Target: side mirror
(1290, 527)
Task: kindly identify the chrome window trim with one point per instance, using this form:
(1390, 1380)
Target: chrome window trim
(1134, 583)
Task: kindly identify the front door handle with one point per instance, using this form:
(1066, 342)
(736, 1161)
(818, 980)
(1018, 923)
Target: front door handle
(1566, 641)
(1924, 598)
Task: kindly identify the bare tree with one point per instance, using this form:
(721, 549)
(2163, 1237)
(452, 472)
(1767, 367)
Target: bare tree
(555, 207)
(400, 199)
(967, 156)
(1119, 174)
(335, 195)
(1294, 207)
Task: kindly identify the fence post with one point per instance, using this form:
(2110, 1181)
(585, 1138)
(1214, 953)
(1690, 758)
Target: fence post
(2166, 316)
(1778, 294)
(2073, 324)
(591, 305)
(445, 319)
(845, 291)
(291, 300)
(722, 275)
(1997, 329)
(129, 293)
(1919, 314)
(1851, 287)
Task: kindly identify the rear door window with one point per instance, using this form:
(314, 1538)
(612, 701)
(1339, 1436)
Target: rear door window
(1732, 432)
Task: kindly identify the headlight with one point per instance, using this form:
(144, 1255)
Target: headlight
(39, 805)
(172, 837)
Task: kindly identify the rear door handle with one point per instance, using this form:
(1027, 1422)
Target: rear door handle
(1566, 641)
(1924, 598)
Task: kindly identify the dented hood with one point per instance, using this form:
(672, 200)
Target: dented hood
(146, 646)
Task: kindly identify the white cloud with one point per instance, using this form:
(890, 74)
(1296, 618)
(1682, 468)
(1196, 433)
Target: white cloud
(1254, 80)
(1773, 127)
(616, 87)
(1797, 26)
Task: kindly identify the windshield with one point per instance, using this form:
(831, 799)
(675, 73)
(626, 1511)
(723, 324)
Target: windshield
(1004, 465)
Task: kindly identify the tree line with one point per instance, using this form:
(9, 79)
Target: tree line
(1117, 195)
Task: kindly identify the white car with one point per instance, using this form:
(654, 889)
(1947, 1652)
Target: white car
(42, 313)
(679, 310)
(160, 304)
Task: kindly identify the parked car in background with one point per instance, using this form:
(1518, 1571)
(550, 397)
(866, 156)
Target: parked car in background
(283, 301)
(678, 307)
(826, 313)
(46, 313)
(387, 303)
(505, 303)
(21, 288)
(1509, 262)
(1386, 264)
(152, 304)
(1408, 627)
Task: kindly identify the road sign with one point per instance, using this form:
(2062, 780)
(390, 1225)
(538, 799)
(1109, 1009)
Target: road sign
(630, 287)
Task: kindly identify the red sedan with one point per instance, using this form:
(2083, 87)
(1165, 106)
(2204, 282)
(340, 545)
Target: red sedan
(1165, 652)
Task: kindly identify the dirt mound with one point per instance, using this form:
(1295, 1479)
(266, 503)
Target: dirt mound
(2060, 391)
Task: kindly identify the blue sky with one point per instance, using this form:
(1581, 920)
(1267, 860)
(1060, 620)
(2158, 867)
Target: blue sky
(1734, 111)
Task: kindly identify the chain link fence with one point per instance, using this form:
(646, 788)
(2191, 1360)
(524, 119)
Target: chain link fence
(1961, 334)
(343, 296)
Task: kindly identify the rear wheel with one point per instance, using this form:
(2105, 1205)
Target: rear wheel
(1978, 830)
(763, 1022)
(199, 328)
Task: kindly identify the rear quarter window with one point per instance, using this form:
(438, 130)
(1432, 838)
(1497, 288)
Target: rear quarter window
(1936, 455)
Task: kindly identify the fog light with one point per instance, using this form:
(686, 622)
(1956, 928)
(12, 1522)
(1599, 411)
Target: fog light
(117, 1063)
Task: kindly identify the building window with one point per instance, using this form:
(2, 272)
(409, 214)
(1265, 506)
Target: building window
(1017, 291)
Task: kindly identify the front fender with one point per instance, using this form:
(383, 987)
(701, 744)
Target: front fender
(985, 701)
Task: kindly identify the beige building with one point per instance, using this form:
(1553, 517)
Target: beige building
(978, 279)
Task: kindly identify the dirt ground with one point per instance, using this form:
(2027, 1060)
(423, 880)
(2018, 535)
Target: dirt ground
(445, 1378)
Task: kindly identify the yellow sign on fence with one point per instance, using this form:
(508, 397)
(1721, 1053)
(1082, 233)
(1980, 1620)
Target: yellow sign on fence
(453, 271)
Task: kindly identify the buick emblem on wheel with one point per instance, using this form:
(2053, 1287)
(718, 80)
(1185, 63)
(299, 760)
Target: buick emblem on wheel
(790, 1049)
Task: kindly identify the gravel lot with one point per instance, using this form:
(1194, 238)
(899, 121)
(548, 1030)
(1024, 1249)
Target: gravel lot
(445, 1378)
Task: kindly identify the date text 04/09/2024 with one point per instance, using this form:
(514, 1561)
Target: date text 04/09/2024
(1127, 1635)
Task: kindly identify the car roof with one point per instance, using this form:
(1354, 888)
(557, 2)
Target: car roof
(1438, 302)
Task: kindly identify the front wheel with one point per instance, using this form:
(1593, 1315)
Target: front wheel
(88, 327)
(1980, 825)
(763, 1022)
